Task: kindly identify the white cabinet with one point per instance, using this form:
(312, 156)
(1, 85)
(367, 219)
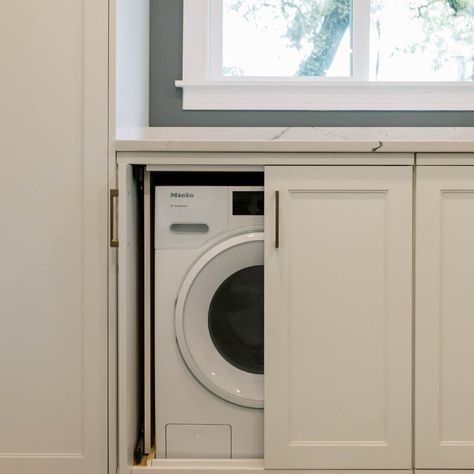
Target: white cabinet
(338, 323)
(444, 317)
(347, 379)
(130, 322)
(53, 253)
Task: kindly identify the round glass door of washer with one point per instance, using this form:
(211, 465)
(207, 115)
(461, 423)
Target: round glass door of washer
(219, 320)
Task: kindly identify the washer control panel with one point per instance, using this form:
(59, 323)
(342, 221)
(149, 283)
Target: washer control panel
(189, 216)
(247, 203)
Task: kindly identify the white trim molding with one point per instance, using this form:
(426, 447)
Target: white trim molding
(326, 95)
(204, 89)
(235, 466)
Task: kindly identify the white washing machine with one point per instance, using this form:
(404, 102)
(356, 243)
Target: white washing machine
(209, 321)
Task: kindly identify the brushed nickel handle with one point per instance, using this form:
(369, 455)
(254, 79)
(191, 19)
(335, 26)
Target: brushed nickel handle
(114, 243)
(277, 219)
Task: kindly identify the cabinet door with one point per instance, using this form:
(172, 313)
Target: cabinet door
(130, 320)
(338, 320)
(444, 317)
(53, 253)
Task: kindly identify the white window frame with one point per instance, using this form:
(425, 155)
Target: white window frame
(204, 88)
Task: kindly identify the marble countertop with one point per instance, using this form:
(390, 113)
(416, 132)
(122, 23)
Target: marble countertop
(297, 139)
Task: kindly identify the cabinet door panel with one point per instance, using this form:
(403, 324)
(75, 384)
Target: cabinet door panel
(445, 317)
(53, 276)
(338, 318)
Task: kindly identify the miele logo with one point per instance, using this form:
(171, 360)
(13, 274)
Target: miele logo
(181, 195)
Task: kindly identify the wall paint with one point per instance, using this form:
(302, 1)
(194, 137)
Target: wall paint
(166, 44)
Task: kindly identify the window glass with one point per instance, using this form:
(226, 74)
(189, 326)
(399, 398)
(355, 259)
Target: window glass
(236, 319)
(410, 40)
(413, 40)
(286, 38)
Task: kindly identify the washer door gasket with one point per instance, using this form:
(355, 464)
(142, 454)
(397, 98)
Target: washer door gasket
(219, 320)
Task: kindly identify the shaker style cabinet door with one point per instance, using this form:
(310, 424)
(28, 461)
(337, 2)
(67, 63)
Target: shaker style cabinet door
(53, 253)
(444, 428)
(338, 325)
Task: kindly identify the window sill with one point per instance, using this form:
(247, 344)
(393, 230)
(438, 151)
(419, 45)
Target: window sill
(304, 94)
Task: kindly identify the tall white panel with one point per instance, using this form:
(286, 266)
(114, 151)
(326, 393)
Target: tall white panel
(53, 253)
(445, 318)
(338, 318)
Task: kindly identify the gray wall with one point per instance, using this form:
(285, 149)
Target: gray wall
(166, 33)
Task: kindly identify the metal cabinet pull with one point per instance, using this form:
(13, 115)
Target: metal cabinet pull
(277, 219)
(113, 194)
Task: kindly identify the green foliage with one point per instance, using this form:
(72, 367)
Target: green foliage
(460, 6)
(445, 27)
(323, 23)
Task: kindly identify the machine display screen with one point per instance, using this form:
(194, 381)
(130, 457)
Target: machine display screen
(247, 203)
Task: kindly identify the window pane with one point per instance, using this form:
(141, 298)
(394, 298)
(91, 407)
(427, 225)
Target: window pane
(413, 40)
(287, 38)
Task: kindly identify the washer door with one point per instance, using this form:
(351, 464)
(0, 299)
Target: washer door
(219, 320)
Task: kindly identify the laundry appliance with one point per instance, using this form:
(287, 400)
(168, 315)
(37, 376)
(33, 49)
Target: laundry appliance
(209, 321)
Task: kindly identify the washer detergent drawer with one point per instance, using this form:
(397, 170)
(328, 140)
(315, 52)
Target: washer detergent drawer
(198, 441)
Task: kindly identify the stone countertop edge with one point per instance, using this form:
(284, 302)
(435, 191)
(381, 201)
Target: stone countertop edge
(296, 139)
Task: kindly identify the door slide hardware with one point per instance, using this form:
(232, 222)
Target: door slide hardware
(277, 219)
(114, 243)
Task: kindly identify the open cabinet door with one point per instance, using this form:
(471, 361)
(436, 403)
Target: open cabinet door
(338, 326)
(129, 319)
